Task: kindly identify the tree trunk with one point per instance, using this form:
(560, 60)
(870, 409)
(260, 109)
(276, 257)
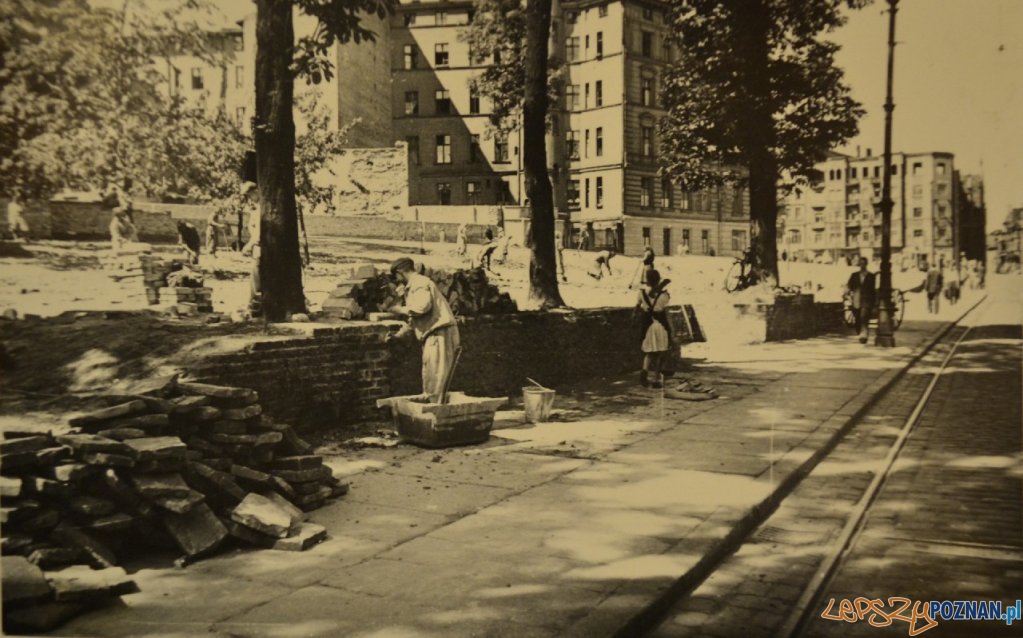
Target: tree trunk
(752, 28)
(280, 264)
(543, 268)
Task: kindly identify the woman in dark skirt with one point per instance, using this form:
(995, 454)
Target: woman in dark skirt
(653, 305)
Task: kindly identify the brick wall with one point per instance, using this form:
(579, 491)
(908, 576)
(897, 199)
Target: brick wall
(333, 375)
(91, 220)
(793, 317)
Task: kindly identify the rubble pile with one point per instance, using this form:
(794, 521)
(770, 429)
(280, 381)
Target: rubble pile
(468, 291)
(177, 465)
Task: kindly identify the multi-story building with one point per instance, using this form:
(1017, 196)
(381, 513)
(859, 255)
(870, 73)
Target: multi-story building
(602, 149)
(839, 216)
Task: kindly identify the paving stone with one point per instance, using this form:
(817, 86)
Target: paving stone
(51, 557)
(16, 462)
(38, 520)
(123, 434)
(16, 544)
(106, 414)
(24, 444)
(107, 459)
(214, 391)
(308, 501)
(207, 479)
(263, 515)
(89, 505)
(77, 539)
(196, 532)
(205, 413)
(157, 447)
(229, 427)
(37, 619)
(255, 477)
(304, 476)
(22, 581)
(297, 515)
(242, 414)
(305, 462)
(302, 538)
(112, 523)
(186, 404)
(10, 487)
(296, 444)
(82, 443)
(249, 535)
(180, 504)
(81, 583)
(266, 438)
(152, 423)
(162, 386)
(161, 485)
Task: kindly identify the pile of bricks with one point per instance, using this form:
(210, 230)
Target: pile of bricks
(187, 300)
(183, 465)
(468, 292)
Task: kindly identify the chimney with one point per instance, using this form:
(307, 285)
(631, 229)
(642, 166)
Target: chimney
(857, 150)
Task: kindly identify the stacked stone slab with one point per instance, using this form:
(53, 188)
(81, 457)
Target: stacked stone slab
(188, 300)
(168, 467)
(468, 291)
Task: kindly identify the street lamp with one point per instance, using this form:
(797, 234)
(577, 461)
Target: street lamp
(885, 335)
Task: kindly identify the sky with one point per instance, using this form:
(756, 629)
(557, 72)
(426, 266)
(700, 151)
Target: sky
(958, 85)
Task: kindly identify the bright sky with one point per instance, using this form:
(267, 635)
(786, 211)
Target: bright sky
(958, 86)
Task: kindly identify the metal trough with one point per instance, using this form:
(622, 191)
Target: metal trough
(463, 420)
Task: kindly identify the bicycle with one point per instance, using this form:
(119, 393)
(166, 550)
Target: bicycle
(741, 275)
(898, 309)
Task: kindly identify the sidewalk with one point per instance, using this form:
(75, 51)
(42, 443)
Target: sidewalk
(569, 528)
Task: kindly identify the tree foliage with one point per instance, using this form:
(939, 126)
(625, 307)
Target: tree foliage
(497, 38)
(82, 98)
(316, 148)
(753, 94)
(709, 89)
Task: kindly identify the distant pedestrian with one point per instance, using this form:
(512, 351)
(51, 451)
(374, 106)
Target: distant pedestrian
(584, 239)
(862, 286)
(602, 261)
(652, 306)
(16, 223)
(933, 284)
(462, 239)
(122, 230)
(503, 239)
(683, 249)
(559, 248)
(487, 250)
(214, 226)
(981, 271)
(188, 239)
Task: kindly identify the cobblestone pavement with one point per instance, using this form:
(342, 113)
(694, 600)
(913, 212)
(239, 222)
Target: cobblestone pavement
(947, 525)
(568, 528)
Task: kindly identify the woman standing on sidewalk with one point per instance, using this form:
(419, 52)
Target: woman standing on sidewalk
(653, 305)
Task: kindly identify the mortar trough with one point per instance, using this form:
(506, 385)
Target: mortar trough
(463, 420)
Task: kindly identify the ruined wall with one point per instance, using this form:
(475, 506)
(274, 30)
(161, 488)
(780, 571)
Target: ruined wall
(371, 181)
(91, 220)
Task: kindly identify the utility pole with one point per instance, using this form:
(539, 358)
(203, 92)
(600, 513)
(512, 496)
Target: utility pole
(885, 336)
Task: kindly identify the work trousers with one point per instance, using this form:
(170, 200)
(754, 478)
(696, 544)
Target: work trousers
(933, 302)
(439, 349)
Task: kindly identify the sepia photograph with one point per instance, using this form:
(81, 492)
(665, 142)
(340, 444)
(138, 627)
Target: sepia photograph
(511, 318)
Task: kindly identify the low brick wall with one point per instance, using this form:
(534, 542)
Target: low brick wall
(794, 317)
(91, 220)
(334, 375)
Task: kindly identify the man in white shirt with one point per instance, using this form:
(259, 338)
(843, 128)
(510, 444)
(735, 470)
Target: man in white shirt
(434, 324)
(15, 220)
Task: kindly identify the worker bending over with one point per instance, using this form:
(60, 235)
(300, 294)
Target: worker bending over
(434, 324)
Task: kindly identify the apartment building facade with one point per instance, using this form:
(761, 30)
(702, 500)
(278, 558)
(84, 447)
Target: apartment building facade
(602, 147)
(839, 216)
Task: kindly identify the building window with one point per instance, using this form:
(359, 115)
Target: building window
(586, 143)
(572, 97)
(411, 102)
(918, 190)
(941, 211)
(501, 150)
(572, 145)
(196, 79)
(877, 171)
(895, 169)
(586, 96)
(600, 44)
(646, 192)
(940, 168)
(586, 193)
(572, 48)
(648, 13)
(917, 167)
(602, 11)
(600, 141)
(705, 241)
(685, 237)
(646, 235)
(738, 240)
(687, 200)
(444, 193)
(442, 102)
(795, 237)
(474, 99)
(239, 76)
(666, 192)
(918, 233)
(410, 56)
(441, 18)
(239, 116)
(646, 95)
(918, 211)
(647, 141)
(598, 93)
(472, 192)
(413, 149)
(647, 44)
(573, 193)
(666, 51)
(599, 195)
(852, 172)
(941, 188)
(474, 148)
(440, 54)
(443, 149)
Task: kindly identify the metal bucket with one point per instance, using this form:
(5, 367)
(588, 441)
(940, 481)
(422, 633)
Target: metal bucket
(538, 403)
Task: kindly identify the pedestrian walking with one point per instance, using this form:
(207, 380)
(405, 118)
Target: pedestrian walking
(933, 283)
(645, 266)
(862, 286)
(487, 250)
(214, 225)
(188, 239)
(602, 261)
(16, 223)
(652, 307)
(122, 230)
(584, 239)
(434, 324)
(981, 271)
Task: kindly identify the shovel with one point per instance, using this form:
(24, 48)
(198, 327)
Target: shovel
(451, 374)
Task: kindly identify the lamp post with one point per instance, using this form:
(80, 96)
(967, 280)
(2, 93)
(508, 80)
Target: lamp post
(885, 335)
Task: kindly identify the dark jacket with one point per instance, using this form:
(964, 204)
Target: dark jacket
(864, 292)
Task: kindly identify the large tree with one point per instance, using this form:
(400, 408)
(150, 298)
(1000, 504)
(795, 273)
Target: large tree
(278, 60)
(753, 94)
(515, 35)
(83, 98)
